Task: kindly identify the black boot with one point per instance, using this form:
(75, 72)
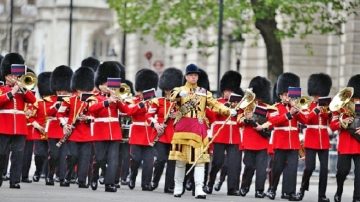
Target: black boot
(271, 194)
(294, 197)
(133, 174)
(49, 181)
(323, 199)
(15, 186)
(218, 186)
(83, 185)
(337, 198)
(94, 183)
(208, 189)
(26, 180)
(110, 188)
(64, 183)
(301, 193)
(259, 194)
(244, 191)
(158, 170)
(39, 162)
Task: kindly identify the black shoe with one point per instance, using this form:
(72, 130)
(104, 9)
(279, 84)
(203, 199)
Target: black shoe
(94, 185)
(64, 183)
(83, 185)
(244, 191)
(260, 194)
(36, 178)
(294, 197)
(323, 199)
(15, 186)
(218, 186)
(131, 184)
(57, 179)
(169, 190)
(233, 193)
(117, 185)
(49, 181)
(188, 185)
(110, 188)
(337, 198)
(124, 182)
(301, 193)
(26, 180)
(200, 197)
(271, 194)
(146, 188)
(208, 189)
(177, 195)
(154, 186)
(101, 180)
(285, 196)
(356, 200)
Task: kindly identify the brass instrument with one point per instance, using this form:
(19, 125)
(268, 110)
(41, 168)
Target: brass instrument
(121, 93)
(341, 99)
(27, 81)
(303, 102)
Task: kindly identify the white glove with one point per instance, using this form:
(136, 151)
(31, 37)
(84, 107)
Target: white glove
(233, 112)
(183, 93)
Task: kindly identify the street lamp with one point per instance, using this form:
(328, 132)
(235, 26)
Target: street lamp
(220, 27)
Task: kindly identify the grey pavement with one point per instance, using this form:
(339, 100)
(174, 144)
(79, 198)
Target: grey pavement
(38, 192)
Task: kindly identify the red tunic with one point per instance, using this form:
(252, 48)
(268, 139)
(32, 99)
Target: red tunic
(53, 127)
(286, 133)
(251, 139)
(72, 110)
(30, 120)
(316, 133)
(12, 114)
(159, 109)
(141, 133)
(346, 144)
(106, 124)
(230, 133)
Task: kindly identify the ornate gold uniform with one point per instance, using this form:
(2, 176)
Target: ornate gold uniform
(190, 139)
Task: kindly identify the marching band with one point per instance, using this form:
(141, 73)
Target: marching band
(90, 120)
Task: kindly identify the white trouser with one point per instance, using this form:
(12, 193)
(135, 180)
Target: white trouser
(199, 173)
(179, 177)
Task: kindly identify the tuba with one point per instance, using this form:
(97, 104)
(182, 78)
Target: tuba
(341, 99)
(248, 102)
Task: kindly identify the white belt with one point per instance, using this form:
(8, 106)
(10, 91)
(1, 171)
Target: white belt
(139, 124)
(286, 128)
(222, 122)
(317, 126)
(11, 111)
(106, 119)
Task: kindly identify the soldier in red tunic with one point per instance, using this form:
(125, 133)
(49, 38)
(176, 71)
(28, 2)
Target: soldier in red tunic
(106, 130)
(141, 133)
(286, 141)
(228, 138)
(77, 125)
(316, 134)
(161, 116)
(346, 121)
(255, 139)
(13, 133)
(60, 84)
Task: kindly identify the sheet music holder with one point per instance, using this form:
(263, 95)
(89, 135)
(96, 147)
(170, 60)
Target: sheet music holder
(148, 94)
(85, 96)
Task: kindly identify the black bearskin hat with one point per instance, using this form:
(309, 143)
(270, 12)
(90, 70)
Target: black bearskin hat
(231, 80)
(44, 84)
(61, 78)
(319, 85)
(355, 83)
(105, 70)
(203, 80)
(91, 62)
(261, 87)
(286, 80)
(170, 79)
(9, 59)
(83, 79)
(146, 79)
(275, 97)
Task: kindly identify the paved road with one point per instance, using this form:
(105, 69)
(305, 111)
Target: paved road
(38, 192)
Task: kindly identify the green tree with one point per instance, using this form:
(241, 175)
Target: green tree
(173, 21)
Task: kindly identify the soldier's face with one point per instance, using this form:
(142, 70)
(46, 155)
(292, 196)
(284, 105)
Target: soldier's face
(284, 98)
(192, 78)
(227, 94)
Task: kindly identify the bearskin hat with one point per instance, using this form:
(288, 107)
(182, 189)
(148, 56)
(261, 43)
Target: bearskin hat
(319, 84)
(286, 80)
(83, 79)
(44, 84)
(170, 79)
(90, 62)
(61, 78)
(355, 83)
(261, 87)
(146, 79)
(9, 59)
(105, 70)
(231, 80)
(275, 97)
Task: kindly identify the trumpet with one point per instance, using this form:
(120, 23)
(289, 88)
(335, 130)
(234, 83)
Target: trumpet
(302, 102)
(121, 93)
